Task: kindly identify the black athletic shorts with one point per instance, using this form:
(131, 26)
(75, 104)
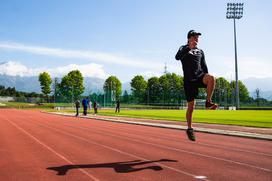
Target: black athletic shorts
(191, 88)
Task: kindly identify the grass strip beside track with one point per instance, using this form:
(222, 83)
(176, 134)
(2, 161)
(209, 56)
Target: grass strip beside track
(251, 118)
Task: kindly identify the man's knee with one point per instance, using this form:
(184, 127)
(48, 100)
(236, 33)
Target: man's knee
(209, 79)
(213, 79)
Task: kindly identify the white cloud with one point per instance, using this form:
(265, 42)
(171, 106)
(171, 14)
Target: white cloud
(254, 67)
(217, 65)
(149, 74)
(88, 70)
(15, 68)
(247, 67)
(89, 55)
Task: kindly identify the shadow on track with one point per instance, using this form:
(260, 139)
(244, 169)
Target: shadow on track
(119, 167)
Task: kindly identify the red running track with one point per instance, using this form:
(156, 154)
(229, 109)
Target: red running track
(40, 146)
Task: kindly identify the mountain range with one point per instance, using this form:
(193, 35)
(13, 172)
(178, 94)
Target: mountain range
(263, 84)
(32, 84)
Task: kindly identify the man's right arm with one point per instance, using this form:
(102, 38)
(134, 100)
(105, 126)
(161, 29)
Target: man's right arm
(183, 50)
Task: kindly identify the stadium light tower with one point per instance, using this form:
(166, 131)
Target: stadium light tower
(235, 11)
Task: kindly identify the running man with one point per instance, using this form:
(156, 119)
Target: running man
(196, 76)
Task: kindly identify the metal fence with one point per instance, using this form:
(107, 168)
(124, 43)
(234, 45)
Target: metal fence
(104, 101)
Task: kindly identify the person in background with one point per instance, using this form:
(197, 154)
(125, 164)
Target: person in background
(77, 104)
(117, 106)
(95, 107)
(85, 106)
(90, 105)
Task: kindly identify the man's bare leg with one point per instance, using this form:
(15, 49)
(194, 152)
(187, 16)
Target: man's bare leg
(209, 80)
(189, 113)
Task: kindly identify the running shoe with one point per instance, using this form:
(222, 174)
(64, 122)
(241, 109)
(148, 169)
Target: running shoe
(190, 134)
(211, 105)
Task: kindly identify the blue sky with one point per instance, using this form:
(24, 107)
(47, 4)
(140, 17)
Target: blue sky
(130, 37)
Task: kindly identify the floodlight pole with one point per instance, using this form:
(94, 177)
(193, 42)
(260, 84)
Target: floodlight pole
(236, 68)
(235, 11)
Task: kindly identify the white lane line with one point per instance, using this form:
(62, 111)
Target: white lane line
(176, 149)
(203, 144)
(179, 150)
(236, 149)
(200, 177)
(51, 149)
(116, 150)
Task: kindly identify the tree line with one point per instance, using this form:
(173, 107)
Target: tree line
(168, 89)
(19, 95)
(164, 90)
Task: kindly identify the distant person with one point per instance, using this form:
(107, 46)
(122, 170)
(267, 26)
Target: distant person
(85, 106)
(88, 102)
(77, 104)
(196, 76)
(117, 106)
(90, 105)
(95, 105)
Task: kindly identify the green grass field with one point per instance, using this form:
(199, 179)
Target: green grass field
(252, 118)
(23, 105)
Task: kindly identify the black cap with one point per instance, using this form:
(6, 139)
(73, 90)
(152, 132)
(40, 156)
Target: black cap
(192, 33)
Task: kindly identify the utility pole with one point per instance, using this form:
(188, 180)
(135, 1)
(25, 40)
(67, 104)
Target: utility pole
(165, 68)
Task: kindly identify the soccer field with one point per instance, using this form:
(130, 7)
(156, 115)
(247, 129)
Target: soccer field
(253, 118)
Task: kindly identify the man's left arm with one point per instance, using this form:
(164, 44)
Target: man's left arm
(203, 63)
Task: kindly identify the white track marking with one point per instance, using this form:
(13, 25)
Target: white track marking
(189, 152)
(50, 149)
(201, 177)
(117, 150)
(179, 150)
(206, 144)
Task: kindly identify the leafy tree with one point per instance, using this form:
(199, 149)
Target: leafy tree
(175, 88)
(66, 88)
(58, 91)
(2, 90)
(76, 79)
(222, 90)
(20, 96)
(45, 82)
(138, 88)
(153, 90)
(165, 87)
(171, 88)
(10, 91)
(113, 86)
(71, 85)
(125, 97)
(243, 92)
